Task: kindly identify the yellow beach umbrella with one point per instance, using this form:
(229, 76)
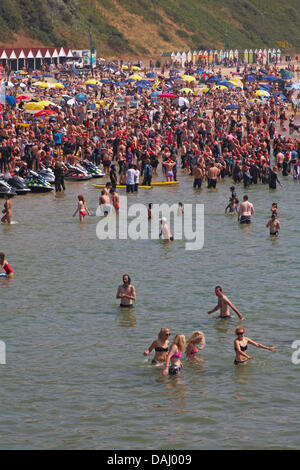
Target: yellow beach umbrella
(45, 103)
(41, 84)
(33, 106)
(262, 93)
(57, 85)
(219, 87)
(124, 67)
(186, 90)
(136, 77)
(236, 82)
(188, 78)
(204, 90)
(92, 81)
(135, 67)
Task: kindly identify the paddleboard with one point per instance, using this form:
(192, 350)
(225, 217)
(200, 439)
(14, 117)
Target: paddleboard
(119, 186)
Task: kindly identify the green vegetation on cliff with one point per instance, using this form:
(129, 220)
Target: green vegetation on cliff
(134, 27)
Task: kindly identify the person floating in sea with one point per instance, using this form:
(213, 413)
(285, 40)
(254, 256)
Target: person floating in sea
(126, 292)
(6, 211)
(241, 345)
(224, 304)
(4, 265)
(81, 208)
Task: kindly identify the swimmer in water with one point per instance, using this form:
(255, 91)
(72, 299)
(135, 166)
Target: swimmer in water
(176, 351)
(196, 338)
(224, 304)
(161, 347)
(165, 230)
(6, 211)
(126, 292)
(274, 208)
(232, 207)
(115, 200)
(274, 225)
(180, 210)
(241, 344)
(150, 211)
(104, 202)
(81, 208)
(4, 265)
(245, 211)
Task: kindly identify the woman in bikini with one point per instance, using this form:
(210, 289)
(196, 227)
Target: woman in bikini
(197, 338)
(176, 351)
(161, 347)
(4, 265)
(241, 345)
(81, 208)
(6, 211)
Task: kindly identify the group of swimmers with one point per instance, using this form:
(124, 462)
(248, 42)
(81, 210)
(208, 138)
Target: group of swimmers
(169, 357)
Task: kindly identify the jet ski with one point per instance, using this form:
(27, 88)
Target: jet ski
(47, 174)
(37, 183)
(76, 173)
(17, 183)
(6, 189)
(92, 169)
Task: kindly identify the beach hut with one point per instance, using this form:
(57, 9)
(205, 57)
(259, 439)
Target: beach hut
(278, 55)
(265, 56)
(269, 55)
(246, 56)
(173, 57)
(250, 57)
(189, 56)
(231, 54)
(195, 56)
(178, 58)
(183, 59)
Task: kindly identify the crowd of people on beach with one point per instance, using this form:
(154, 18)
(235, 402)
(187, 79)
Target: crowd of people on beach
(209, 124)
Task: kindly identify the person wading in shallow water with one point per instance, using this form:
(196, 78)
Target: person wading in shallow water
(126, 292)
(224, 304)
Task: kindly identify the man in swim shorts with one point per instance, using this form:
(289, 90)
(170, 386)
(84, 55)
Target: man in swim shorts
(104, 202)
(212, 176)
(223, 305)
(245, 212)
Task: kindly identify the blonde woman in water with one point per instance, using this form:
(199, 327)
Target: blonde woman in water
(161, 347)
(241, 345)
(176, 351)
(197, 338)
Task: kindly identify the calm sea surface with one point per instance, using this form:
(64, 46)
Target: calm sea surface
(75, 374)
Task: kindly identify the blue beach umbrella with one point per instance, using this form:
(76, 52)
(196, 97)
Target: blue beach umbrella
(232, 106)
(10, 100)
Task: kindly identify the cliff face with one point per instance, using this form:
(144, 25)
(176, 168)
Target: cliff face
(149, 27)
